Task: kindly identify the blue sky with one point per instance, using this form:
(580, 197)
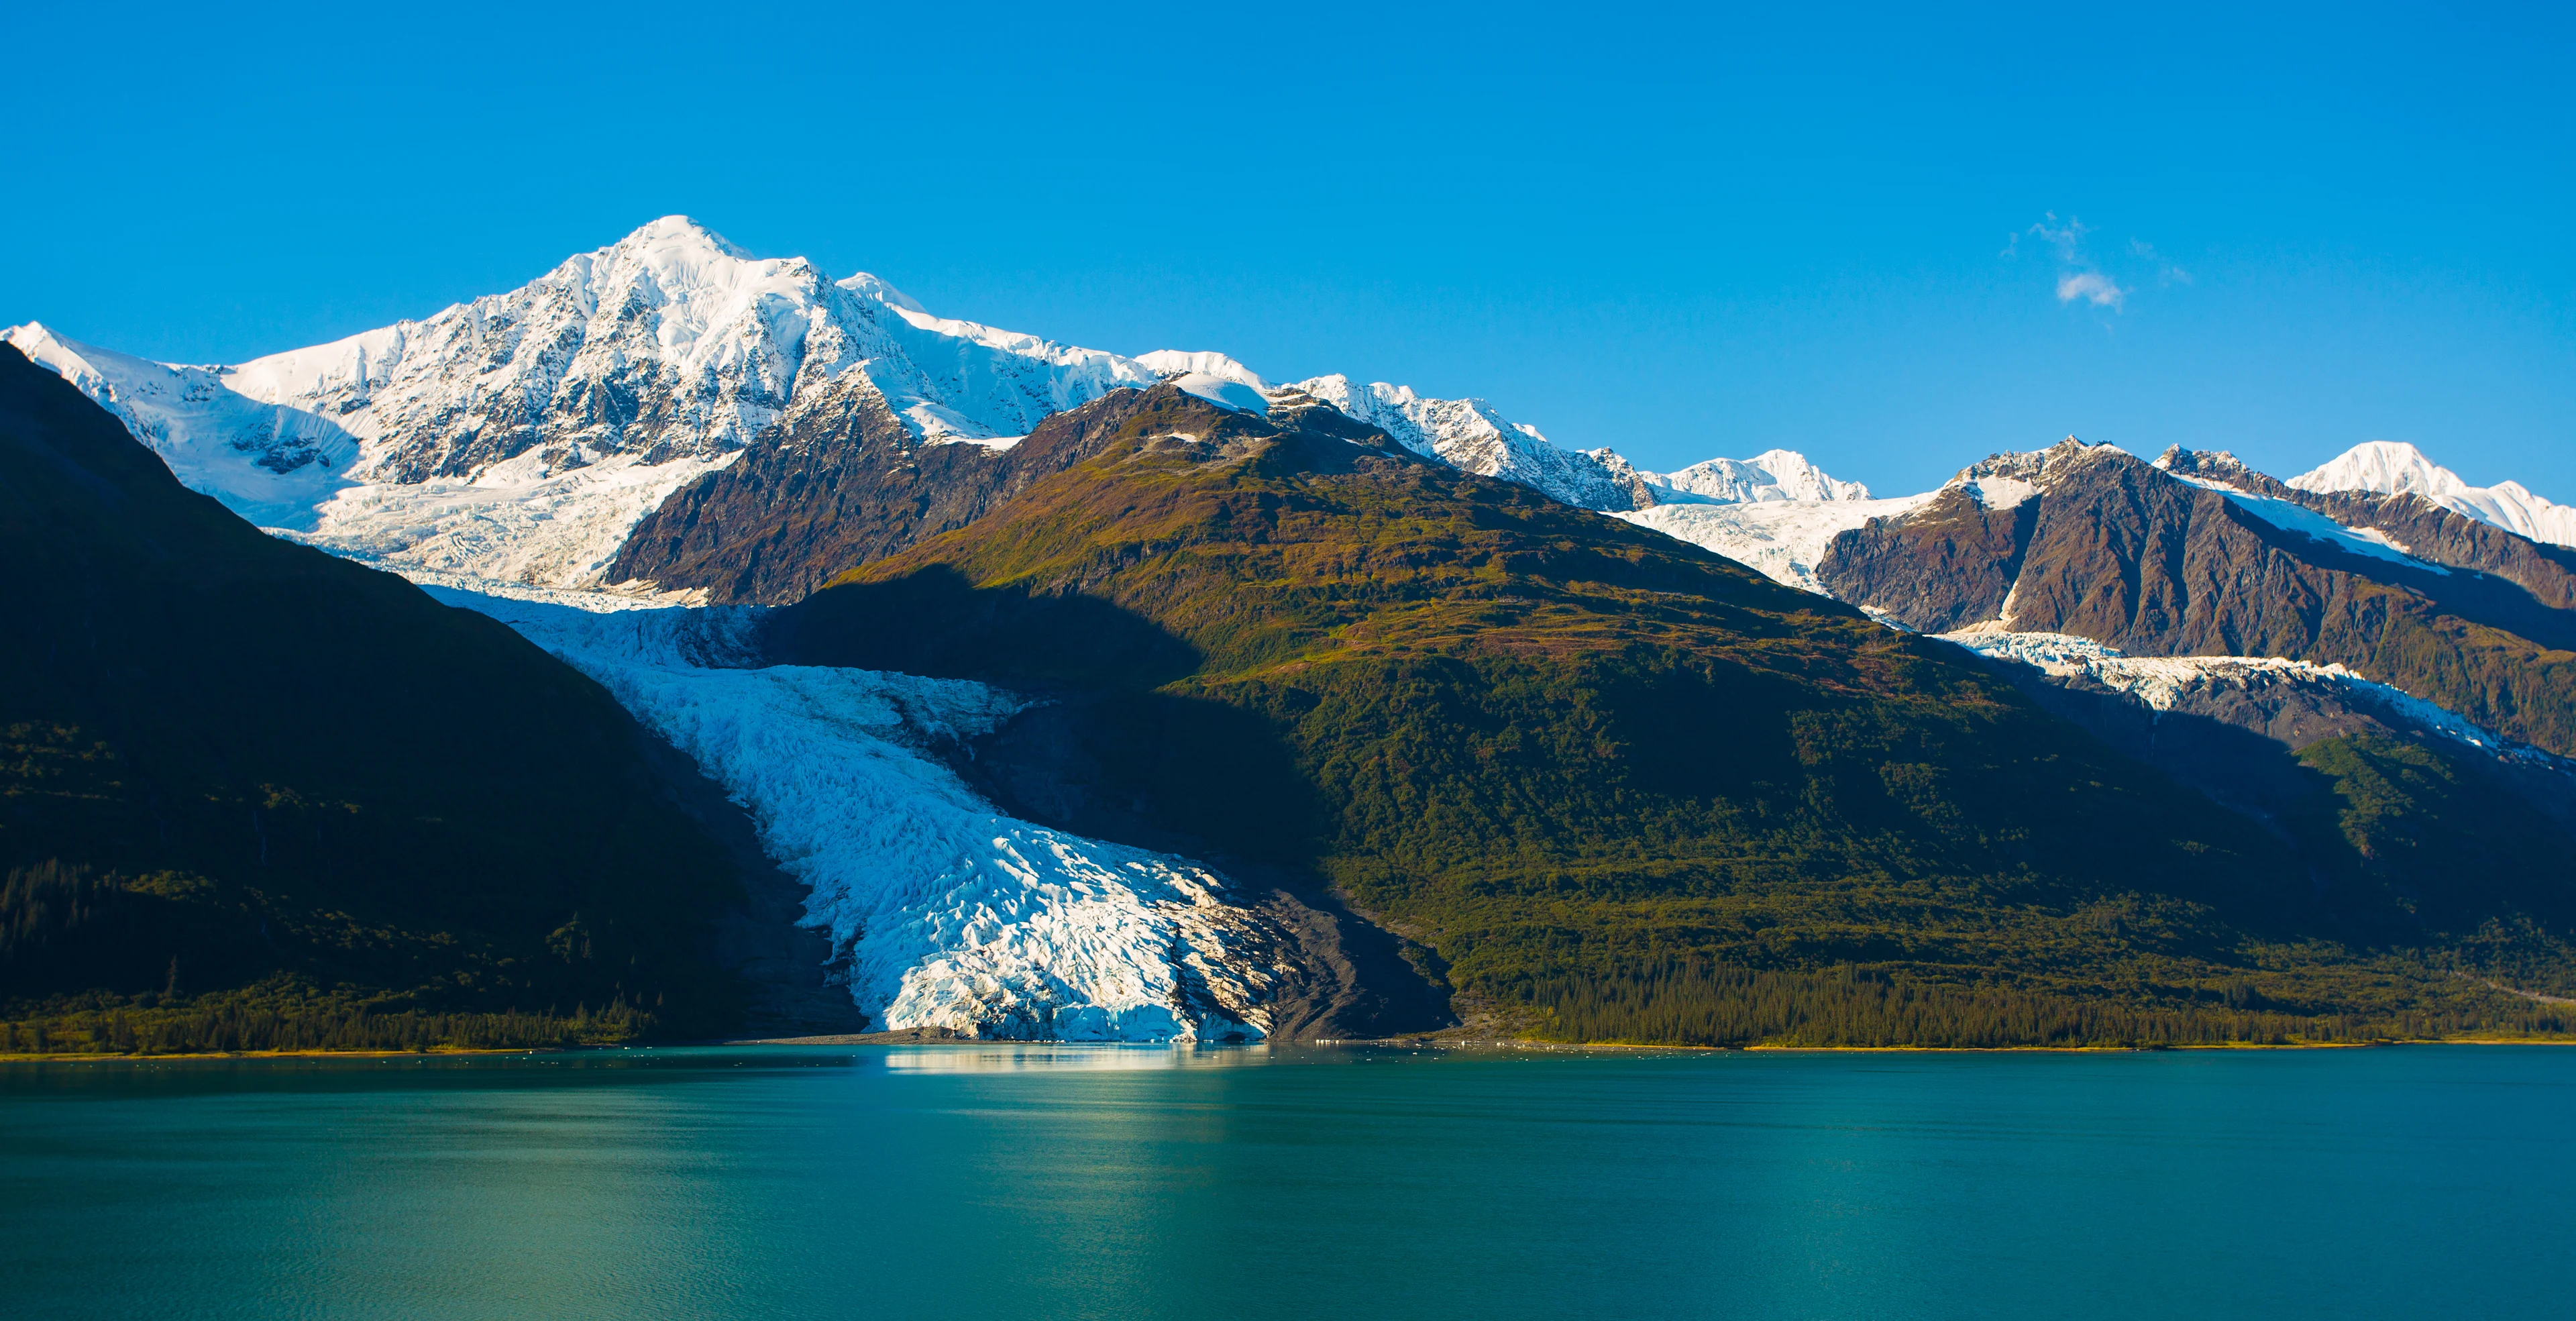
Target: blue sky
(1895, 240)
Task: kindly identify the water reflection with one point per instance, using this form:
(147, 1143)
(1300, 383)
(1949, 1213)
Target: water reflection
(1012, 1057)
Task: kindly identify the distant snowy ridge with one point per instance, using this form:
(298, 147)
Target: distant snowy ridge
(2392, 468)
(942, 912)
(1471, 435)
(1775, 474)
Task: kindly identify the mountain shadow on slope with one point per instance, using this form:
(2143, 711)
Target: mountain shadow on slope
(236, 767)
(1558, 751)
(2113, 549)
(2401, 834)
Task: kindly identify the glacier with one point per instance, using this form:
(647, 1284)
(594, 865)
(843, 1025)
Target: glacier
(2162, 682)
(942, 912)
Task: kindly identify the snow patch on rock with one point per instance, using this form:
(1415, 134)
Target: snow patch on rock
(1222, 392)
(2000, 492)
(2289, 517)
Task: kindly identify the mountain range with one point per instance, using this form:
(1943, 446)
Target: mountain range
(1062, 693)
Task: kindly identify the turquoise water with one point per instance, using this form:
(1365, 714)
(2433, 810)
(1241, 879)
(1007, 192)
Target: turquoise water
(1045, 1182)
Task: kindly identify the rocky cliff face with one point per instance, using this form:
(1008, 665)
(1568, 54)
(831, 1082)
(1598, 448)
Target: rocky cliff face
(2090, 541)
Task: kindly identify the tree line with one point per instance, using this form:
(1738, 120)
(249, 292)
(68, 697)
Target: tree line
(1685, 1002)
(230, 1025)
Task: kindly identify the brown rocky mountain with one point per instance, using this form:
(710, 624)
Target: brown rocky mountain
(2426, 530)
(2091, 541)
(844, 484)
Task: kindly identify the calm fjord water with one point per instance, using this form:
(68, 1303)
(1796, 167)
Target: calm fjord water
(1039, 1182)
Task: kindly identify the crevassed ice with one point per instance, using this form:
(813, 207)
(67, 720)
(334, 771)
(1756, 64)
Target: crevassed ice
(942, 912)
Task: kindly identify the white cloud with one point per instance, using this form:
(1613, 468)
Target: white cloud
(2081, 278)
(2093, 287)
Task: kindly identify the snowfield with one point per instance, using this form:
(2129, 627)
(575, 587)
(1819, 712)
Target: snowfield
(942, 912)
(1782, 539)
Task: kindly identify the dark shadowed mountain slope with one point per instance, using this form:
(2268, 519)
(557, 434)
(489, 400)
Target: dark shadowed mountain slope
(231, 760)
(2093, 542)
(1568, 756)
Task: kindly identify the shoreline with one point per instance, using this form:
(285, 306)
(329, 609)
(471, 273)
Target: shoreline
(100, 1056)
(941, 1037)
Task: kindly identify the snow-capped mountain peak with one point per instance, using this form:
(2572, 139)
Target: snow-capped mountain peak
(1774, 474)
(522, 434)
(2387, 467)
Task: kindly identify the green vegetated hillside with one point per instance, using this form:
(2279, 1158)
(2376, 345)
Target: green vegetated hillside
(1618, 788)
(252, 795)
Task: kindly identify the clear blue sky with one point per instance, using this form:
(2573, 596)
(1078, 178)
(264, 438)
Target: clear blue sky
(1682, 232)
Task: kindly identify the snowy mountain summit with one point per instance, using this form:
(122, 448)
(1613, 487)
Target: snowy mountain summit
(523, 435)
(1770, 475)
(2385, 467)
